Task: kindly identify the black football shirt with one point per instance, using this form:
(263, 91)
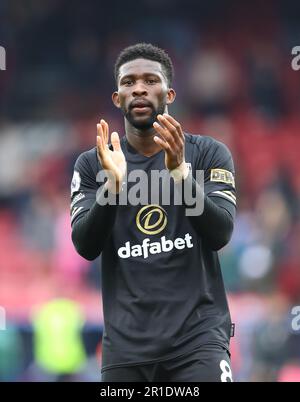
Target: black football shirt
(162, 287)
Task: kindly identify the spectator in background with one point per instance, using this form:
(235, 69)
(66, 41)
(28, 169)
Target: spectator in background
(58, 348)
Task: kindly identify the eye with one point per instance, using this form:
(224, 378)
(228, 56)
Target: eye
(151, 81)
(127, 82)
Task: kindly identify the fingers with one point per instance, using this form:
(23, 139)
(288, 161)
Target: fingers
(100, 140)
(164, 145)
(115, 140)
(167, 137)
(103, 133)
(175, 123)
(171, 134)
(173, 127)
(105, 130)
(102, 137)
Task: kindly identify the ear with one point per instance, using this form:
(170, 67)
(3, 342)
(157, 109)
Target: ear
(115, 99)
(171, 95)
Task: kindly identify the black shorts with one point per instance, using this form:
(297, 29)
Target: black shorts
(209, 363)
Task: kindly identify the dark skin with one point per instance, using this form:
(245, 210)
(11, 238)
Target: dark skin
(143, 96)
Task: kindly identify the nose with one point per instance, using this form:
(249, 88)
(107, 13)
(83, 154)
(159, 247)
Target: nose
(139, 90)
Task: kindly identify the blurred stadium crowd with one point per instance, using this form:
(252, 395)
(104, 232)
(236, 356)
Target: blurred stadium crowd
(234, 82)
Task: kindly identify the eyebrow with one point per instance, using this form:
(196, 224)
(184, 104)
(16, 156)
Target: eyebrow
(144, 75)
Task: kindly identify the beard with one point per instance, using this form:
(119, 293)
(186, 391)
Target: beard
(147, 123)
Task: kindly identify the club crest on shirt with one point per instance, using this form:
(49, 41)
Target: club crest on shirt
(151, 219)
(222, 175)
(75, 184)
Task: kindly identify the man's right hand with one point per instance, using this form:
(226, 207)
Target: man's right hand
(113, 162)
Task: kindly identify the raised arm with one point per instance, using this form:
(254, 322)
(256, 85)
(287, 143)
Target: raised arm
(215, 224)
(92, 219)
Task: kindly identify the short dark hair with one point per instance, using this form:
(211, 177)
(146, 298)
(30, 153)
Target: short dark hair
(145, 51)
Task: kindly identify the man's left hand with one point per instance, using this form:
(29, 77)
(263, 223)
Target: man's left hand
(172, 142)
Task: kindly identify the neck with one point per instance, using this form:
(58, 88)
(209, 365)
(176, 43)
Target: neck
(142, 140)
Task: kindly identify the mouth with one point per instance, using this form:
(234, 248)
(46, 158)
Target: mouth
(141, 109)
(141, 105)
